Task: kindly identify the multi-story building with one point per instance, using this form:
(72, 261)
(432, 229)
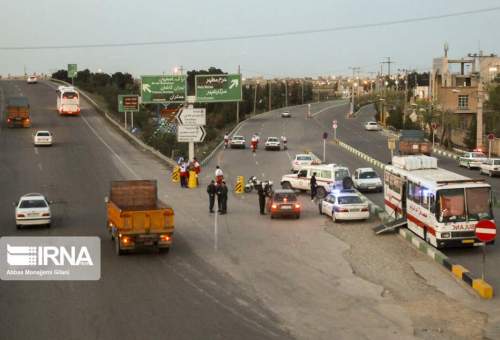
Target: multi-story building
(456, 87)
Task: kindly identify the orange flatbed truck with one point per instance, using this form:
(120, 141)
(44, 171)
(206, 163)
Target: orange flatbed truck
(136, 218)
(18, 112)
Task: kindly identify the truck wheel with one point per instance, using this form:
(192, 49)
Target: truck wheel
(119, 251)
(286, 185)
(321, 193)
(163, 250)
(49, 225)
(248, 189)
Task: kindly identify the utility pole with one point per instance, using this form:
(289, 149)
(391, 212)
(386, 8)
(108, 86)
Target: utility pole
(286, 93)
(302, 83)
(255, 97)
(237, 103)
(351, 109)
(270, 82)
(479, 124)
(388, 62)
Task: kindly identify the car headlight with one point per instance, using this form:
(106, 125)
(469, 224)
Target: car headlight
(445, 235)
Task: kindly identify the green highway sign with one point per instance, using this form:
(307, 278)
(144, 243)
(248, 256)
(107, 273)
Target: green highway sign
(218, 88)
(72, 70)
(163, 89)
(128, 103)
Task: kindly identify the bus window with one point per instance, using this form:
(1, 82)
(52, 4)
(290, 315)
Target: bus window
(451, 205)
(479, 204)
(432, 203)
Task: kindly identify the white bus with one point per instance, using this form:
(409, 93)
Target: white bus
(440, 206)
(68, 100)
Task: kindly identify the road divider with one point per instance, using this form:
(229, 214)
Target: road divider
(239, 188)
(481, 287)
(176, 174)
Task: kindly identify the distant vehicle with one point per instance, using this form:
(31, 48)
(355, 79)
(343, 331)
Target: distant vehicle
(372, 126)
(366, 179)
(491, 167)
(68, 100)
(273, 143)
(327, 175)
(472, 159)
(283, 203)
(32, 80)
(286, 114)
(253, 183)
(413, 142)
(18, 112)
(237, 142)
(32, 209)
(438, 205)
(43, 138)
(303, 159)
(344, 205)
(136, 218)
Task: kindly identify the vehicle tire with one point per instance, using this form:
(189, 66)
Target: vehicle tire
(119, 251)
(164, 250)
(320, 209)
(248, 189)
(297, 217)
(333, 217)
(18, 226)
(49, 225)
(468, 166)
(490, 173)
(286, 185)
(321, 193)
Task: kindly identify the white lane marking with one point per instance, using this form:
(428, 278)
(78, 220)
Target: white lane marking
(36, 150)
(40, 166)
(110, 148)
(327, 108)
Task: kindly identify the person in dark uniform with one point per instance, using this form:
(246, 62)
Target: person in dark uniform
(211, 190)
(222, 198)
(262, 198)
(314, 186)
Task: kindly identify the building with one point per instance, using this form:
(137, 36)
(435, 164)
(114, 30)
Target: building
(457, 86)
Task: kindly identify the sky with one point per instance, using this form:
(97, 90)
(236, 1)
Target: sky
(83, 22)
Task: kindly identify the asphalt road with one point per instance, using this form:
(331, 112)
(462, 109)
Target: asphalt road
(351, 131)
(143, 296)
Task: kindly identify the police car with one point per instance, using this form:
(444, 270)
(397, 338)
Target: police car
(273, 143)
(345, 204)
(237, 142)
(366, 179)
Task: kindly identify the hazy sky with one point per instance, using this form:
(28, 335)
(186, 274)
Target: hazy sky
(55, 22)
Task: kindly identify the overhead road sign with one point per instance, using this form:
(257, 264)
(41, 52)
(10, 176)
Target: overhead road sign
(163, 89)
(128, 103)
(72, 70)
(190, 133)
(192, 116)
(218, 88)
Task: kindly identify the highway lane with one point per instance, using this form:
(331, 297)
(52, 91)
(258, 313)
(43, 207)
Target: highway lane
(143, 296)
(302, 252)
(351, 131)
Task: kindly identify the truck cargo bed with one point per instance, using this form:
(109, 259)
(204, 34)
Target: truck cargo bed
(135, 195)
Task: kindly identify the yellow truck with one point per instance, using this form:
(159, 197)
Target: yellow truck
(136, 218)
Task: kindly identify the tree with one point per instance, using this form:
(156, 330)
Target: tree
(470, 137)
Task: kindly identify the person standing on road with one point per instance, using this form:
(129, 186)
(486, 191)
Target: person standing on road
(183, 173)
(212, 191)
(197, 170)
(314, 186)
(226, 141)
(219, 175)
(262, 198)
(222, 198)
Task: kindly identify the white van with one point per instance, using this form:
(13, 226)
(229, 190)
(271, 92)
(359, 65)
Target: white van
(326, 175)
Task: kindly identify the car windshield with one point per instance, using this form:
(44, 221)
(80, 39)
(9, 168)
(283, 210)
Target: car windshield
(496, 162)
(371, 123)
(453, 206)
(273, 139)
(33, 203)
(281, 196)
(368, 175)
(477, 155)
(304, 158)
(238, 138)
(478, 204)
(43, 134)
(340, 174)
(349, 200)
(70, 95)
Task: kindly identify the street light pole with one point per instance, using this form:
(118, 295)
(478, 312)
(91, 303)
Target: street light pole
(286, 93)
(270, 94)
(255, 97)
(479, 124)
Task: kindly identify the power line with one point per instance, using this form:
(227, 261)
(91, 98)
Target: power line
(255, 36)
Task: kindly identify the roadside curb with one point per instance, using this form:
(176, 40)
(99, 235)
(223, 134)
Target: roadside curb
(155, 152)
(481, 287)
(445, 153)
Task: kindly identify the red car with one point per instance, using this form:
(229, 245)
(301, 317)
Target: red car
(283, 203)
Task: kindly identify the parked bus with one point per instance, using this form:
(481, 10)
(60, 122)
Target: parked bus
(438, 205)
(68, 100)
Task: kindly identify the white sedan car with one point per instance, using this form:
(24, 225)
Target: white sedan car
(491, 167)
(344, 205)
(32, 209)
(43, 138)
(366, 179)
(285, 114)
(372, 126)
(32, 80)
(237, 142)
(472, 159)
(273, 143)
(303, 159)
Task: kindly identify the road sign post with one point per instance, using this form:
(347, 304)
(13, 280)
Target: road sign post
(163, 89)
(192, 116)
(72, 71)
(486, 231)
(214, 88)
(491, 138)
(308, 110)
(325, 136)
(334, 126)
(391, 145)
(128, 103)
